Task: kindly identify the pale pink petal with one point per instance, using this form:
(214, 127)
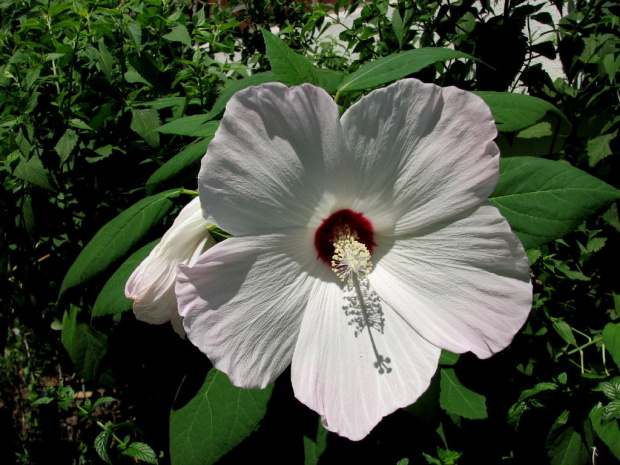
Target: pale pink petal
(334, 372)
(463, 285)
(243, 302)
(422, 153)
(277, 154)
(151, 285)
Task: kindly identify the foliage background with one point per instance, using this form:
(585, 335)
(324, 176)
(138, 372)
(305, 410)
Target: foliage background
(90, 92)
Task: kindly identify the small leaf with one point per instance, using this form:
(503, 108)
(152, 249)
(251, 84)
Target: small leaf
(66, 144)
(146, 122)
(101, 445)
(611, 411)
(396, 66)
(33, 172)
(134, 31)
(315, 446)
(118, 237)
(598, 148)
(179, 33)
(456, 398)
(103, 400)
(85, 346)
(542, 129)
(514, 112)
(563, 329)
(611, 339)
(289, 67)
(215, 420)
(543, 199)
(141, 451)
(111, 300)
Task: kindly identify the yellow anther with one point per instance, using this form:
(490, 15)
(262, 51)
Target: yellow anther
(351, 257)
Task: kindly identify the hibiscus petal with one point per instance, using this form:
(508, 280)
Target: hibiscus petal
(277, 153)
(422, 153)
(334, 373)
(243, 303)
(463, 285)
(151, 285)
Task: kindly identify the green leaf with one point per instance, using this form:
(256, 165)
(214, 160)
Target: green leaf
(215, 420)
(330, 80)
(195, 126)
(566, 445)
(543, 200)
(118, 237)
(456, 398)
(103, 400)
(111, 299)
(146, 123)
(134, 32)
(289, 67)
(179, 33)
(608, 432)
(85, 346)
(33, 172)
(236, 86)
(101, 445)
(141, 451)
(611, 339)
(315, 446)
(563, 329)
(185, 159)
(106, 61)
(542, 129)
(66, 144)
(448, 359)
(598, 148)
(514, 112)
(396, 66)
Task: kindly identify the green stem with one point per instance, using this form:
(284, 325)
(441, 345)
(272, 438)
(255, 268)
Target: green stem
(189, 192)
(591, 342)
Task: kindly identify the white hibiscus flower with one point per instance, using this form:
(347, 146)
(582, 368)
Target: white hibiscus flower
(363, 246)
(151, 285)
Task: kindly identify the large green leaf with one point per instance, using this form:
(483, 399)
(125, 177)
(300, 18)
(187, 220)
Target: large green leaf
(111, 299)
(186, 158)
(118, 237)
(396, 66)
(289, 67)
(513, 112)
(566, 445)
(85, 346)
(236, 86)
(611, 339)
(543, 200)
(215, 420)
(607, 431)
(195, 126)
(456, 398)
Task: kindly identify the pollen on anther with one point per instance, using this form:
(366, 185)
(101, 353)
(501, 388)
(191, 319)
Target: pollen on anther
(351, 257)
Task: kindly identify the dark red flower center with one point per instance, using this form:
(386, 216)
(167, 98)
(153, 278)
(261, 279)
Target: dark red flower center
(333, 227)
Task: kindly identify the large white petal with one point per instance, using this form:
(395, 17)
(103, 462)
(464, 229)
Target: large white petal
(243, 302)
(333, 370)
(277, 154)
(422, 153)
(463, 285)
(151, 285)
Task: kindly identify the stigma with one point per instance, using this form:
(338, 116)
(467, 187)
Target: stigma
(351, 258)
